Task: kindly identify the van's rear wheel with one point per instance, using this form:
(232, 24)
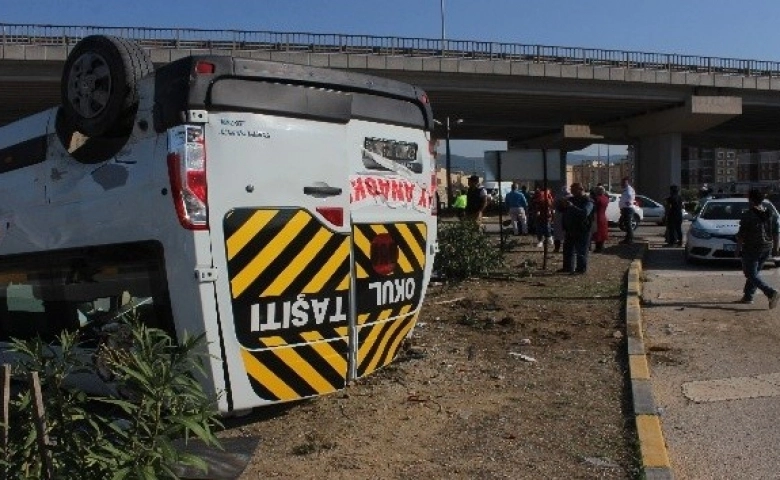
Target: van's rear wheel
(99, 84)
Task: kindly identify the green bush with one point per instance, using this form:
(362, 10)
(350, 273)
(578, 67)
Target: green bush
(94, 437)
(464, 251)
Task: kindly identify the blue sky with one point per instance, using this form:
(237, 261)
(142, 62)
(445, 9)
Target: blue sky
(718, 28)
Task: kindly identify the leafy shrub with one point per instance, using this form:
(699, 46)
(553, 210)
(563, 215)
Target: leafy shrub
(464, 251)
(94, 437)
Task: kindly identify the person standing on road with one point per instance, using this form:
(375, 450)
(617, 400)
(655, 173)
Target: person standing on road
(476, 200)
(757, 238)
(627, 210)
(674, 217)
(516, 203)
(600, 204)
(577, 219)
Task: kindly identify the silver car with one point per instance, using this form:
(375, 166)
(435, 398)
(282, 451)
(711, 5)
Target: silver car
(653, 211)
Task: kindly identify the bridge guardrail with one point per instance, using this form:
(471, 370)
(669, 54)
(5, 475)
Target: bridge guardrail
(192, 38)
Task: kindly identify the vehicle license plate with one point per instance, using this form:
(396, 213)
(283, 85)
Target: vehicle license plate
(730, 247)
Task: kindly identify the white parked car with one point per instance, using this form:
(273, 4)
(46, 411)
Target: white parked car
(652, 210)
(712, 235)
(613, 212)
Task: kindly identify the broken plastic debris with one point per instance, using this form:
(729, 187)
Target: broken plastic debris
(523, 357)
(601, 462)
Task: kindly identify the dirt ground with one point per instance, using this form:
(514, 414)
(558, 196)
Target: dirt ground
(521, 375)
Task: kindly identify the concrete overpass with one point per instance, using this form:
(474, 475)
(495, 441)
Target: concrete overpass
(530, 95)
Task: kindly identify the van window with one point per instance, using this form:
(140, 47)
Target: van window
(82, 290)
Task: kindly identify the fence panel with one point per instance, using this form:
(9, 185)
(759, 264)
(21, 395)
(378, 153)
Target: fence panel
(191, 38)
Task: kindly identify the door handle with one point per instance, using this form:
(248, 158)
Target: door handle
(322, 191)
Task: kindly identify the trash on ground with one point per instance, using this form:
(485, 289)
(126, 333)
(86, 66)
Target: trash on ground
(601, 462)
(452, 300)
(523, 357)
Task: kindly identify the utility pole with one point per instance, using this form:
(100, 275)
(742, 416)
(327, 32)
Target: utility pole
(609, 173)
(443, 29)
(448, 161)
(447, 146)
(598, 168)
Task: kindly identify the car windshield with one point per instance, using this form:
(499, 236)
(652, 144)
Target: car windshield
(723, 210)
(726, 210)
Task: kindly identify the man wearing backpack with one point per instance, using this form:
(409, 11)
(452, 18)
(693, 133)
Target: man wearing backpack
(577, 220)
(757, 238)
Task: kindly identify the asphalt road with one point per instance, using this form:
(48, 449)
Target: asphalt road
(715, 366)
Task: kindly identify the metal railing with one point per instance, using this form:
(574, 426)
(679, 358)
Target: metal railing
(192, 38)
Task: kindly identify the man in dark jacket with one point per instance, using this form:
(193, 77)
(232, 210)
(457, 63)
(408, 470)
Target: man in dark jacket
(756, 240)
(577, 218)
(674, 217)
(476, 200)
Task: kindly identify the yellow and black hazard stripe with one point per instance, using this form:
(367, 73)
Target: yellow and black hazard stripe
(379, 342)
(383, 322)
(287, 273)
(286, 372)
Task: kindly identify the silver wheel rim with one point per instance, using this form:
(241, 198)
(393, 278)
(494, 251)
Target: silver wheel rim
(89, 85)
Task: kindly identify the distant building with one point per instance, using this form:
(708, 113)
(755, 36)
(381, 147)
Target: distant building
(730, 170)
(592, 172)
(458, 179)
(718, 167)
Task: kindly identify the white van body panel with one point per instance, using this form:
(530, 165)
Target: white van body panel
(293, 302)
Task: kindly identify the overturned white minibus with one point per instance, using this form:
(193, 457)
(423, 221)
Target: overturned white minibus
(285, 211)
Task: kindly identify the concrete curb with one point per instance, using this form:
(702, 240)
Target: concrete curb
(655, 459)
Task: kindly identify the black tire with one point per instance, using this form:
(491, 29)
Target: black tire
(634, 223)
(99, 84)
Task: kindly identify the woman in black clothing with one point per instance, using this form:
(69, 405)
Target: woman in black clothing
(674, 217)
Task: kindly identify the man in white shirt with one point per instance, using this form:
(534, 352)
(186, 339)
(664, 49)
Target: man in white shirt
(627, 210)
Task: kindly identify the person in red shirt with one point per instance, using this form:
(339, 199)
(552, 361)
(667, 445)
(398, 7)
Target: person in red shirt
(543, 210)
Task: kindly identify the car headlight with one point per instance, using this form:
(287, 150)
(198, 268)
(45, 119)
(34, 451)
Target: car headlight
(700, 233)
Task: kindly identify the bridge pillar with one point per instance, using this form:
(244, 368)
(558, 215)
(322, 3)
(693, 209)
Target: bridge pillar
(657, 164)
(557, 186)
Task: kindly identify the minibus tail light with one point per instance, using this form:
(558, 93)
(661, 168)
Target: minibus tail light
(187, 172)
(205, 68)
(334, 215)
